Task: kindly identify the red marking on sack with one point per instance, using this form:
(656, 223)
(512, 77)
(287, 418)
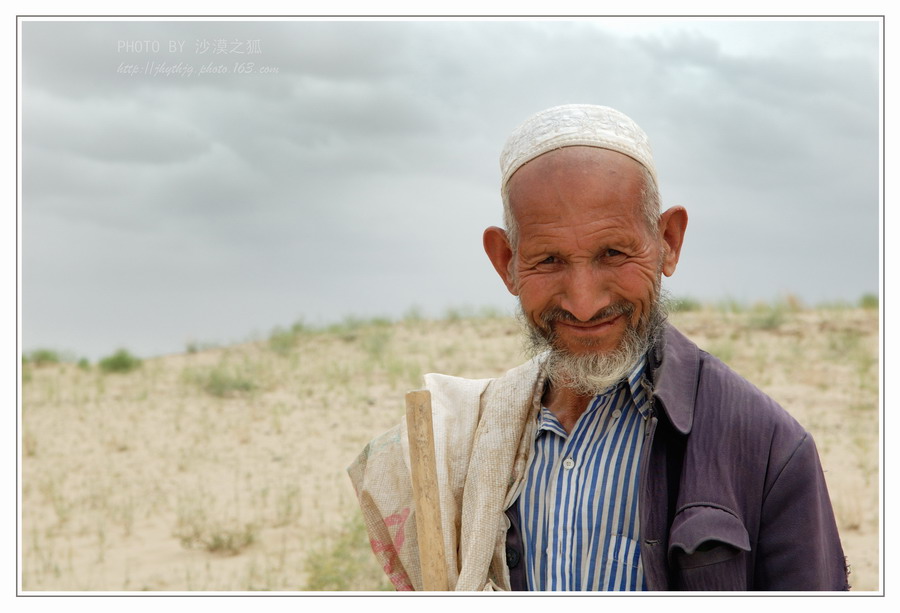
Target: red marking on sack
(399, 520)
(391, 558)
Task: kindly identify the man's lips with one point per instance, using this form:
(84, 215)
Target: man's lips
(588, 326)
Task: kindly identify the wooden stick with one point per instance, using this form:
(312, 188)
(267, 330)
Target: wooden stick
(425, 491)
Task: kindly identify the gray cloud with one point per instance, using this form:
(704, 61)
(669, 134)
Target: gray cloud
(357, 179)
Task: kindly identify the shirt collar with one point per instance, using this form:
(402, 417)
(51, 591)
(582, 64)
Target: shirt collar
(674, 379)
(634, 380)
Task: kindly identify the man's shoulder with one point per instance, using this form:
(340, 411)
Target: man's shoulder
(463, 392)
(723, 397)
(458, 405)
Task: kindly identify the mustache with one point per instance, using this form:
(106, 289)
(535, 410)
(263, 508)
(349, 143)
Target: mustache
(555, 314)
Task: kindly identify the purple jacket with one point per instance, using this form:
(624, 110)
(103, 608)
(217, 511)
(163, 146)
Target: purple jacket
(732, 495)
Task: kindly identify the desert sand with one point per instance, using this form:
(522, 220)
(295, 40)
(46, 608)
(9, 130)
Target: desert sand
(224, 468)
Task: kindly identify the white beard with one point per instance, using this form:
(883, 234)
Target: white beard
(591, 374)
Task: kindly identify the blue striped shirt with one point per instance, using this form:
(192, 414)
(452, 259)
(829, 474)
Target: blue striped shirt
(579, 500)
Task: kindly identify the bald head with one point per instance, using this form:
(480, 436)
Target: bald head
(590, 161)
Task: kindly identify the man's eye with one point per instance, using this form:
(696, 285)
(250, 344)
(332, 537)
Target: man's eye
(611, 253)
(550, 259)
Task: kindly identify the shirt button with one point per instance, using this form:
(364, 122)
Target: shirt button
(569, 464)
(617, 414)
(512, 556)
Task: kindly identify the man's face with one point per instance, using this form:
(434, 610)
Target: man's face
(587, 266)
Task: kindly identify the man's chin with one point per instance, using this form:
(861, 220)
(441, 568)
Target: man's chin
(589, 374)
(589, 363)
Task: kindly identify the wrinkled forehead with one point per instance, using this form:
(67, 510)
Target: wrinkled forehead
(574, 125)
(579, 177)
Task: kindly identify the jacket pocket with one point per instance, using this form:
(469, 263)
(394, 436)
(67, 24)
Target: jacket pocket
(708, 550)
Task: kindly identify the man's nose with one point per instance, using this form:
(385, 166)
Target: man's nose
(584, 292)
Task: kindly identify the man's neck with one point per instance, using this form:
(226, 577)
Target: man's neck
(566, 405)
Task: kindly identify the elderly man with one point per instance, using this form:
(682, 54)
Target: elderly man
(621, 457)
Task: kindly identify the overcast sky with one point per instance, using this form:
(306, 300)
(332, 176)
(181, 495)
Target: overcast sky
(349, 168)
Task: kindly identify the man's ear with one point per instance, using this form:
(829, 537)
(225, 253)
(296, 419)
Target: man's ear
(672, 225)
(496, 245)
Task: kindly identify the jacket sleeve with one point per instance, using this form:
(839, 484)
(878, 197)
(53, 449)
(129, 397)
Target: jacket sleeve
(798, 548)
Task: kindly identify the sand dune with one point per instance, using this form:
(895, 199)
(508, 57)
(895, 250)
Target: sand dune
(224, 469)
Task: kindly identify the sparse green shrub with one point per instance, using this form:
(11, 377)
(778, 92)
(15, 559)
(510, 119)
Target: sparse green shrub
(282, 341)
(398, 369)
(218, 539)
(685, 304)
(491, 312)
(231, 542)
(42, 357)
(199, 526)
(766, 316)
(730, 305)
(347, 330)
(723, 349)
(29, 444)
(224, 381)
(834, 305)
(413, 315)
(352, 327)
(456, 314)
(84, 364)
(120, 362)
(197, 346)
(347, 564)
(375, 342)
(288, 505)
(869, 301)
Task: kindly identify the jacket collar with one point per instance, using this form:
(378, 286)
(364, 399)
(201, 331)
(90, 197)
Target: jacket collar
(675, 368)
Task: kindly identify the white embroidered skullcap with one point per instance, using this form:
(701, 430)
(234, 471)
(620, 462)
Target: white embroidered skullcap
(572, 125)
